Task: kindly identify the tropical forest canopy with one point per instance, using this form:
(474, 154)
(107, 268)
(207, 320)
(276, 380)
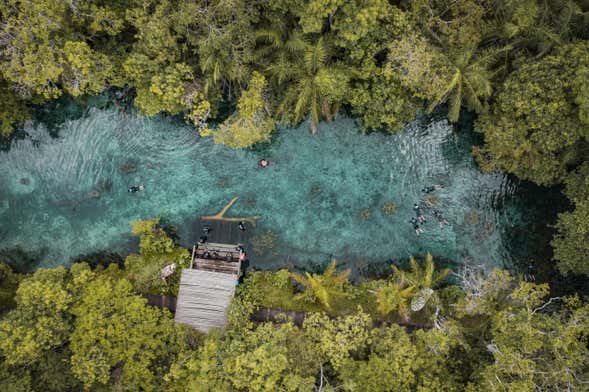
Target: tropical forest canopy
(522, 66)
(90, 329)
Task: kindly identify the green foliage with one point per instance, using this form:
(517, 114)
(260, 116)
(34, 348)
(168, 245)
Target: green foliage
(156, 250)
(534, 130)
(409, 289)
(114, 330)
(336, 339)
(87, 329)
(318, 86)
(421, 277)
(533, 350)
(86, 71)
(41, 320)
(252, 122)
(380, 101)
(322, 288)
(13, 109)
(570, 245)
(270, 289)
(9, 281)
(32, 55)
(394, 296)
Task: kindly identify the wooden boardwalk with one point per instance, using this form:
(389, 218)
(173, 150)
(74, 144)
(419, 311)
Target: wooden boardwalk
(203, 298)
(207, 287)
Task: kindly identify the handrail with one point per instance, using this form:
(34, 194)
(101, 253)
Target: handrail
(192, 259)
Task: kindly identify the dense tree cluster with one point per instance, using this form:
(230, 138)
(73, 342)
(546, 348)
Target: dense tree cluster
(523, 66)
(82, 329)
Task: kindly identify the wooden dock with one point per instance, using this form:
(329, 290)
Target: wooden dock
(207, 287)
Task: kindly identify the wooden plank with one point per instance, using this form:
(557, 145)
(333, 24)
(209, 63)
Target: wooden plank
(203, 298)
(220, 245)
(219, 263)
(193, 252)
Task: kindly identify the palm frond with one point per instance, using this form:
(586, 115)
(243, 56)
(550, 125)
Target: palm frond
(443, 95)
(270, 36)
(455, 103)
(429, 270)
(295, 43)
(300, 279)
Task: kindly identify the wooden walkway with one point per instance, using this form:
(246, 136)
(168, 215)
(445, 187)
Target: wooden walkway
(207, 287)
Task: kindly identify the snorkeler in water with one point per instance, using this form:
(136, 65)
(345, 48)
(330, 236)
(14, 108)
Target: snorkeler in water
(418, 229)
(134, 189)
(440, 217)
(265, 163)
(432, 188)
(419, 213)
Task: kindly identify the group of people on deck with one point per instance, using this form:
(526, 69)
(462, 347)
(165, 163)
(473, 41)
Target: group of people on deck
(424, 206)
(214, 255)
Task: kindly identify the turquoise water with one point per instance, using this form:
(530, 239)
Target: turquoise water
(65, 196)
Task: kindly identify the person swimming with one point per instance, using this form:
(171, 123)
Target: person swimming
(440, 217)
(134, 189)
(419, 213)
(432, 188)
(418, 229)
(241, 226)
(265, 163)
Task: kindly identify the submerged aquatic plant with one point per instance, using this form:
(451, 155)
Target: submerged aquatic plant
(263, 242)
(431, 200)
(389, 208)
(365, 214)
(315, 190)
(127, 168)
(472, 218)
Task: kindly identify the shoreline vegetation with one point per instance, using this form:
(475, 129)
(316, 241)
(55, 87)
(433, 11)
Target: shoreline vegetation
(522, 67)
(80, 328)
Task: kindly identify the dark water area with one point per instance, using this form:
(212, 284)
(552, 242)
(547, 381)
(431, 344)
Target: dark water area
(340, 194)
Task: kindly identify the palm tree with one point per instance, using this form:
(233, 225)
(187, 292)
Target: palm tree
(469, 80)
(323, 287)
(537, 25)
(420, 277)
(283, 45)
(394, 296)
(317, 88)
(420, 280)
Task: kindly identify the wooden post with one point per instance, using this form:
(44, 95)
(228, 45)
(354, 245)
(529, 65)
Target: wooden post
(192, 259)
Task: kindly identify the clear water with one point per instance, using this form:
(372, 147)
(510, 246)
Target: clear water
(67, 195)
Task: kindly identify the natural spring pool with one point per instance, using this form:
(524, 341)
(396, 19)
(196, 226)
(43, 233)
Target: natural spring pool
(340, 194)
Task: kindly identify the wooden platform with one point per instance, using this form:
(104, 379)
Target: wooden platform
(221, 232)
(206, 288)
(203, 298)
